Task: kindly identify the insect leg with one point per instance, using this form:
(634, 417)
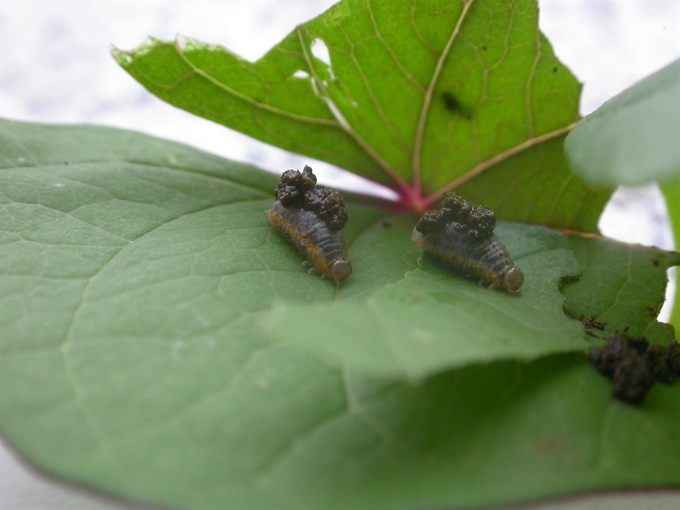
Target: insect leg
(314, 270)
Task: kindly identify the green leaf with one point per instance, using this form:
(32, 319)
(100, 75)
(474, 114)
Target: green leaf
(633, 138)
(409, 317)
(482, 435)
(424, 97)
(136, 278)
(671, 192)
(622, 287)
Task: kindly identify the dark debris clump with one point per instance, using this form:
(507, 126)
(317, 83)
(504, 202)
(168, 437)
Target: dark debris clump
(293, 186)
(673, 351)
(632, 380)
(634, 366)
(299, 189)
(328, 205)
(608, 357)
(657, 362)
(430, 222)
(477, 223)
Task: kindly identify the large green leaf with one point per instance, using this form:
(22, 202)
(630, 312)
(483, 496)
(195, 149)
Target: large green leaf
(422, 96)
(137, 277)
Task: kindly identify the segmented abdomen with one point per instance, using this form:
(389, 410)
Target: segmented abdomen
(486, 260)
(310, 235)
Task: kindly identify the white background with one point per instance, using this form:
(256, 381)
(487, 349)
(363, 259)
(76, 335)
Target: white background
(55, 67)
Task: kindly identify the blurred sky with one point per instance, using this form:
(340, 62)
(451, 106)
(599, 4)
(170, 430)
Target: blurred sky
(55, 67)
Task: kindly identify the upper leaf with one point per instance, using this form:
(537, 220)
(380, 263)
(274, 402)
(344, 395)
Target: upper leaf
(632, 139)
(422, 96)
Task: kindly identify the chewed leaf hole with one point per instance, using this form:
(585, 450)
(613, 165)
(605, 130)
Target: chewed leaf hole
(320, 51)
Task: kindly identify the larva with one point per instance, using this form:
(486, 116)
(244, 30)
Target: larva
(462, 236)
(311, 218)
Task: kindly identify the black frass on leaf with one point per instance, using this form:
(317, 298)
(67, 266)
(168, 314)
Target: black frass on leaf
(634, 365)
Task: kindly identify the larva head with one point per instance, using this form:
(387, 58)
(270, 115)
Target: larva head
(513, 278)
(341, 269)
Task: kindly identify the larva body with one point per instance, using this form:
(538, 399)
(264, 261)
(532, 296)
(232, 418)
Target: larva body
(312, 218)
(462, 236)
(324, 248)
(487, 260)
